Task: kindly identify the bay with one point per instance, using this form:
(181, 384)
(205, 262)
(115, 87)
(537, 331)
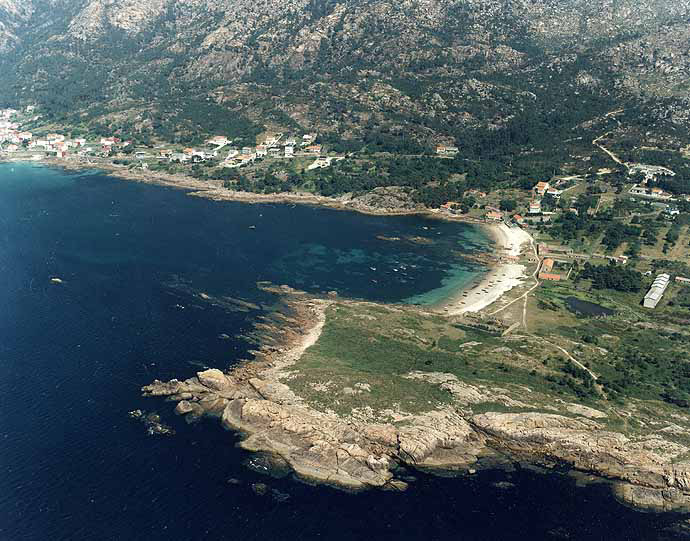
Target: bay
(101, 285)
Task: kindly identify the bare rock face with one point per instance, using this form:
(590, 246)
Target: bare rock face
(184, 407)
(652, 499)
(315, 446)
(318, 446)
(649, 478)
(349, 452)
(213, 379)
(130, 16)
(437, 430)
(326, 448)
(585, 411)
(390, 199)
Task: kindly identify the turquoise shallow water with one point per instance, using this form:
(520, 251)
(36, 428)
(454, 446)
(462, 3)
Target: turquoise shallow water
(133, 259)
(457, 278)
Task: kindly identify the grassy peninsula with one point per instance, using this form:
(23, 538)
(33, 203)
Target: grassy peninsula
(557, 374)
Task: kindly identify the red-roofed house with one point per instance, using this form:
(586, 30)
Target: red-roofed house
(542, 187)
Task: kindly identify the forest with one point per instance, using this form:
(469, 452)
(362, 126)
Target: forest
(611, 276)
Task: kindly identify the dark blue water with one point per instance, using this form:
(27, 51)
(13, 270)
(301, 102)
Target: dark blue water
(133, 259)
(586, 308)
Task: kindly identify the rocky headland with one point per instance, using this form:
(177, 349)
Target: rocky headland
(355, 453)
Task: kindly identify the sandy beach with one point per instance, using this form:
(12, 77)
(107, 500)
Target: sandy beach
(511, 242)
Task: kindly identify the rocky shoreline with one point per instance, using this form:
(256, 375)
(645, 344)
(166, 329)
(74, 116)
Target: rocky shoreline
(323, 447)
(379, 202)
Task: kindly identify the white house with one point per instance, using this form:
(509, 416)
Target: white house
(443, 150)
(179, 157)
(219, 140)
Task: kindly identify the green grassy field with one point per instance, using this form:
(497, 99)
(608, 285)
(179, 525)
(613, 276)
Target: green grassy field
(380, 346)
(367, 352)
(637, 353)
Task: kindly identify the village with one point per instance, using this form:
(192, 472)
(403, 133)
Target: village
(552, 202)
(14, 141)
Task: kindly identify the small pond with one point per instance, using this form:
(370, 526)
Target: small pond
(586, 308)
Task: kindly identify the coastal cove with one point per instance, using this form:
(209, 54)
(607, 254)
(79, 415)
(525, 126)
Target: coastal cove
(153, 284)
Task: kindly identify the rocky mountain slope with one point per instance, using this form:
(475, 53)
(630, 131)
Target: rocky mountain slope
(431, 67)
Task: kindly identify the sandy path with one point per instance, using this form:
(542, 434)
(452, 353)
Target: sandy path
(297, 349)
(312, 335)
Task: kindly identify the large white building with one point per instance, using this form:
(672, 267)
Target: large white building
(657, 291)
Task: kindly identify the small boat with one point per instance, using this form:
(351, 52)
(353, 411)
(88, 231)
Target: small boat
(252, 227)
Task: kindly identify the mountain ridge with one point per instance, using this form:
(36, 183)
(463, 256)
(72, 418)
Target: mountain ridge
(432, 68)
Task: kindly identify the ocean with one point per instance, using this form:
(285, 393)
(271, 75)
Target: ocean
(99, 295)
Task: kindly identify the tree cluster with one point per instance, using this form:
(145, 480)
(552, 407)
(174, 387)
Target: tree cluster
(612, 276)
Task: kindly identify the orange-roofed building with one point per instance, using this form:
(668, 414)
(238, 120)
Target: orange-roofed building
(542, 187)
(546, 271)
(549, 277)
(547, 265)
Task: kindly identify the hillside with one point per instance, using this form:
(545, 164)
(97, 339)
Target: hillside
(400, 76)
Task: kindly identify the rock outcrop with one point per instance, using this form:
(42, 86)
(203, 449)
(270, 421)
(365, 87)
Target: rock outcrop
(359, 64)
(324, 447)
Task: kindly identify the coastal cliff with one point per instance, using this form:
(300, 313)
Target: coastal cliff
(469, 426)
